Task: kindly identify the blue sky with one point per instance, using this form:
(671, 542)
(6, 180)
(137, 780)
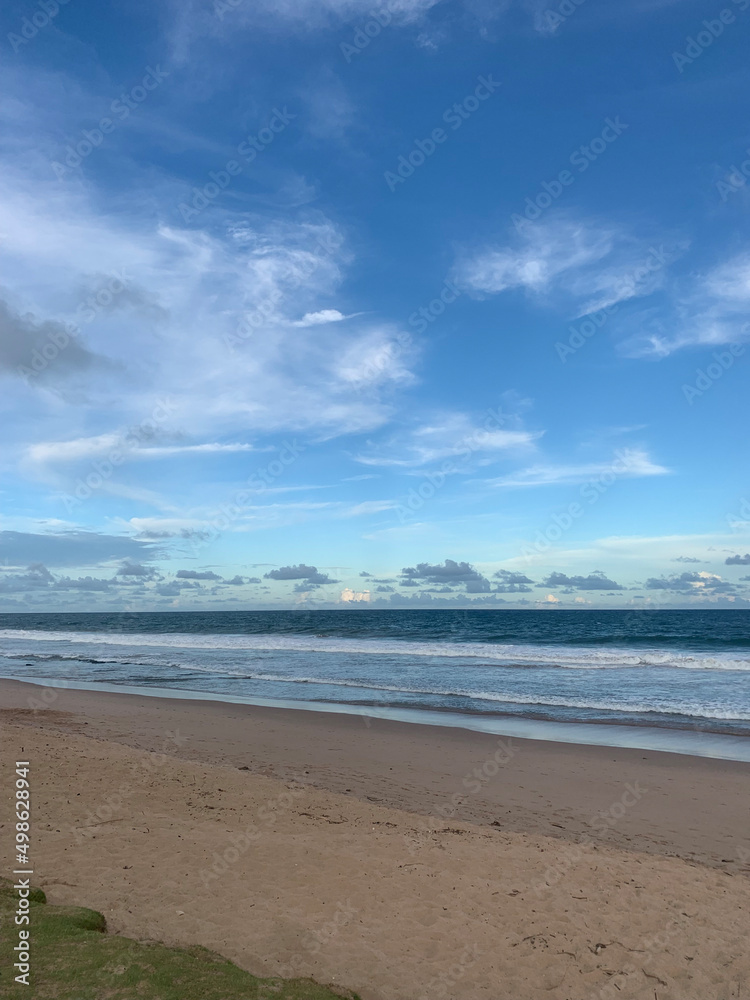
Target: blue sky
(412, 304)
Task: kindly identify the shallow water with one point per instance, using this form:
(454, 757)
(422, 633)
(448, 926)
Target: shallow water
(673, 669)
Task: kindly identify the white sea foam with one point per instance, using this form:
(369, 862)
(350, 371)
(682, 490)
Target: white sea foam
(658, 705)
(519, 678)
(509, 655)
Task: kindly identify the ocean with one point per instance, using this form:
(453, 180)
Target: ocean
(675, 670)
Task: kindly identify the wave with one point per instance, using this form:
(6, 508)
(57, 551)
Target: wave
(120, 661)
(497, 697)
(680, 709)
(505, 655)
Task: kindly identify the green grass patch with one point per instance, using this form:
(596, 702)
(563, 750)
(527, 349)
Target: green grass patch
(74, 958)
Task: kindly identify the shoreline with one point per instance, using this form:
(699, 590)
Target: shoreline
(445, 773)
(716, 744)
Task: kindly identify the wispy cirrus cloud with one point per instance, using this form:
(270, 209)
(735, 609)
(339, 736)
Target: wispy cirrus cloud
(205, 284)
(712, 313)
(585, 267)
(629, 463)
(560, 254)
(369, 507)
(313, 14)
(578, 266)
(195, 20)
(380, 357)
(449, 435)
(81, 449)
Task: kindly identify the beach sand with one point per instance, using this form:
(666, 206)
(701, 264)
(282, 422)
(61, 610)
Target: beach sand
(397, 860)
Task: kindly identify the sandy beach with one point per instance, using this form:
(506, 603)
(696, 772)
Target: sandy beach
(398, 861)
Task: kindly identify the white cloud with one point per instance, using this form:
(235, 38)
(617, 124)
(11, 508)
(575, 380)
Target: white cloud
(349, 596)
(138, 494)
(72, 451)
(324, 316)
(449, 435)
(730, 282)
(209, 448)
(712, 313)
(587, 267)
(378, 356)
(330, 110)
(541, 254)
(582, 266)
(206, 283)
(104, 444)
(195, 20)
(313, 12)
(629, 463)
(369, 507)
(164, 527)
(249, 517)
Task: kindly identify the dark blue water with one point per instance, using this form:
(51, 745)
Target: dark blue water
(675, 669)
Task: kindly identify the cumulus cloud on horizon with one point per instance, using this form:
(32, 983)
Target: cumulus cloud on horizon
(309, 574)
(594, 581)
